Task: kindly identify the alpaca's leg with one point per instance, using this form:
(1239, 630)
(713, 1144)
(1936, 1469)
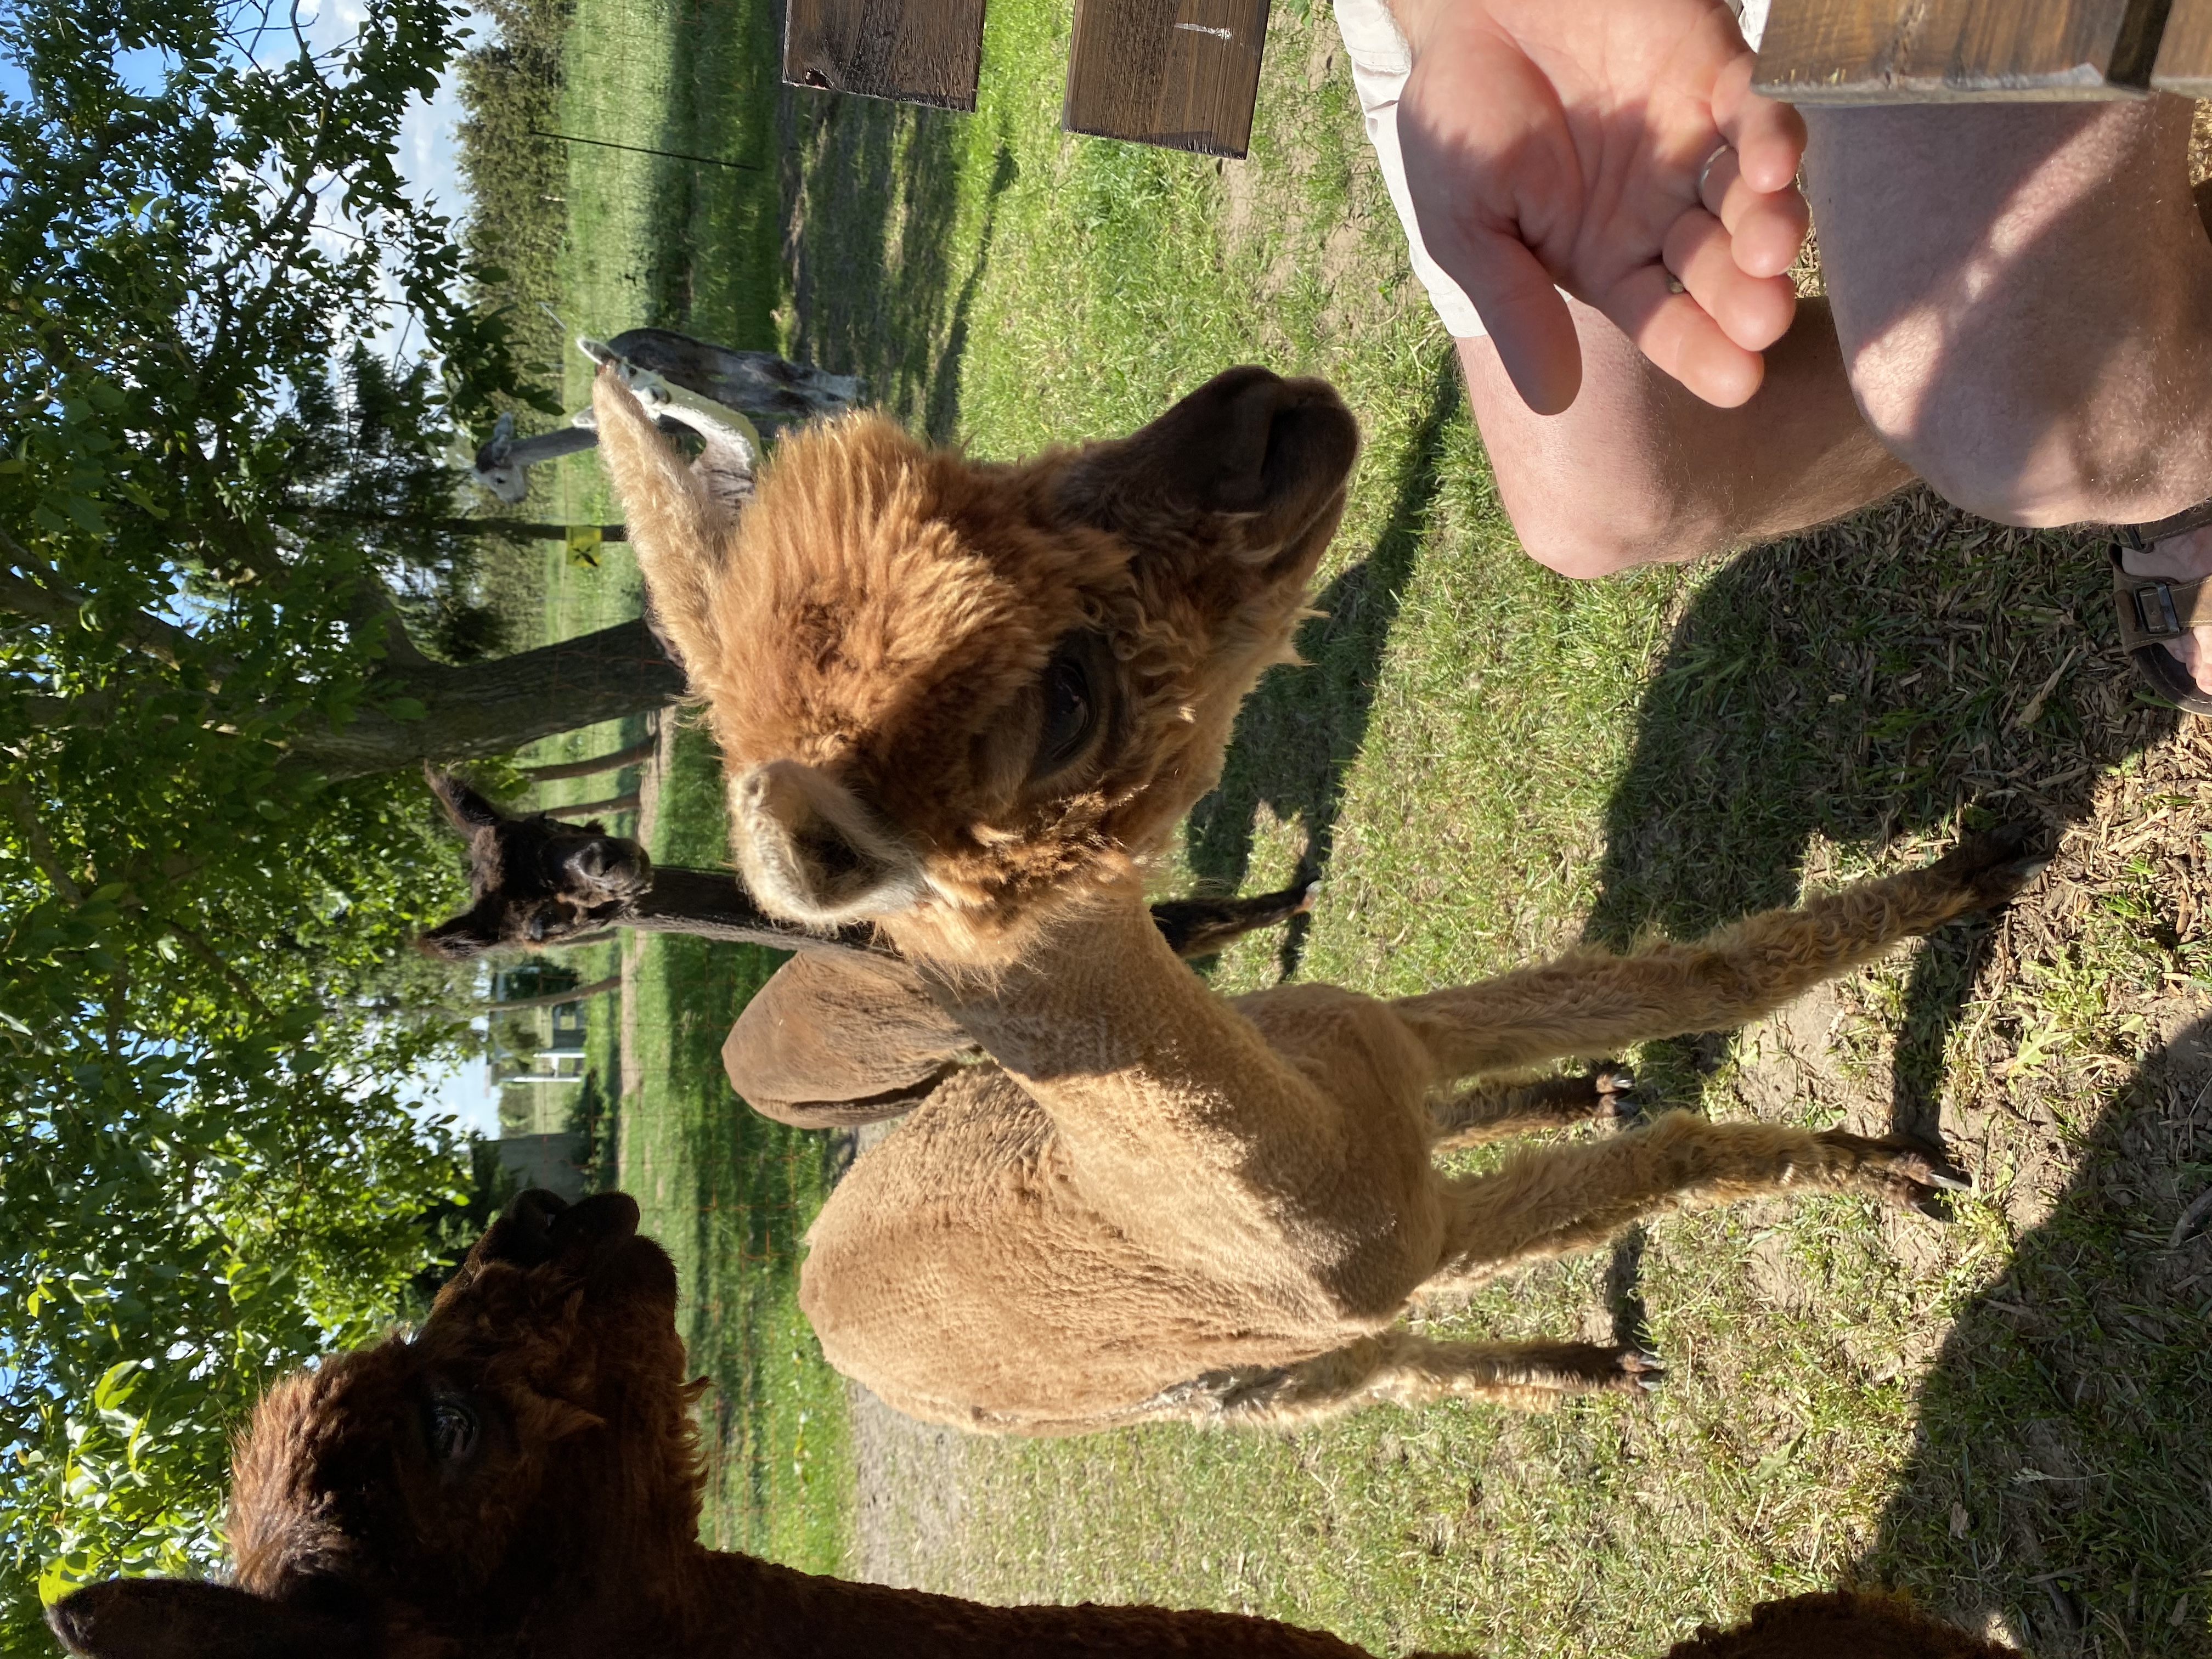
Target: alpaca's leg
(1494, 1111)
(1562, 1199)
(1200, 927)
(1593, 1003)
(1398, 1368)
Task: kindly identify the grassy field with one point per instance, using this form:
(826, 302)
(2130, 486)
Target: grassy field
(655, 240)
(2005, 1414)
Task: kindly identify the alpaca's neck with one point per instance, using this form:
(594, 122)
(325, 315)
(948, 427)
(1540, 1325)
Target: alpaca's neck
(1154, 1082)
(742, 1609)
(714, 904)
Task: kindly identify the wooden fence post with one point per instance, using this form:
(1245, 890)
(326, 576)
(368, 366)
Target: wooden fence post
(917, 51)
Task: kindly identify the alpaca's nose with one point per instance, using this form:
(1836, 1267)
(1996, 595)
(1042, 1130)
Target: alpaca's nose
(605, 861)
(813, 851)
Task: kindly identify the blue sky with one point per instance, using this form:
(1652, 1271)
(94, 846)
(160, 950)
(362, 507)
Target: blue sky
(466, 1094)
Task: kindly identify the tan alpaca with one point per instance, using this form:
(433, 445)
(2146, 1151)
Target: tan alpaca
(965, 703)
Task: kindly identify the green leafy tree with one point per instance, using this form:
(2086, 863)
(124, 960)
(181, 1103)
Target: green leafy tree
(233, 618)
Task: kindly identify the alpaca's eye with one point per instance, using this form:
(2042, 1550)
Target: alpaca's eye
(453, 1430)
(1071, 709)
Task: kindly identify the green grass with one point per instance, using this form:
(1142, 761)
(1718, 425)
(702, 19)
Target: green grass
(1488, 763)
(653, 240)
(730, 1192)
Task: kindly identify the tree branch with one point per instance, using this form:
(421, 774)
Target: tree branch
(24, 811)
(47, 600)
(61, 713)
(551, 999)
(513, 529)
(612, 761)
(373, 605)
(584, 808)
(207, 953)
(495, 707)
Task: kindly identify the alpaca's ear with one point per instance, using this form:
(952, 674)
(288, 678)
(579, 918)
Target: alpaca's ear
(1246, 442)
(677, 528)
(469, 811)
(181, 1618)
(471, 933)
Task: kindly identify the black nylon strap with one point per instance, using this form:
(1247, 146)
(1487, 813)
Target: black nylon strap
(2136, 537)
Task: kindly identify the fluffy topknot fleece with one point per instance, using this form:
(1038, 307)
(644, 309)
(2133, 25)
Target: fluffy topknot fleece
(891, 618)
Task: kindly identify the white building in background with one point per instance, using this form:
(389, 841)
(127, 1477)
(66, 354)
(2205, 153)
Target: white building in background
(536, 1064)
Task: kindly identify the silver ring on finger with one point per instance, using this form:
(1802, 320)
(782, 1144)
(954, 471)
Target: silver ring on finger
(1705, 172)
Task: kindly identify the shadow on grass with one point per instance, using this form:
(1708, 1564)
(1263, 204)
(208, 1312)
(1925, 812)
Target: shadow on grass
(2062, 1469)
(1872, 681)
(1888, 678)
(1301, 729)
(943, 421)
(875, 201)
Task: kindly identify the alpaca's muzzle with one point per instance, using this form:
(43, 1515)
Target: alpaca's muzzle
(812, 851)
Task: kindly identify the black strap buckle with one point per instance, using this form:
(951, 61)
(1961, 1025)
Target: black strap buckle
(2169, 623)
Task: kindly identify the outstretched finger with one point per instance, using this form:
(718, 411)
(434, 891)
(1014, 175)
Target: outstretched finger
(1768, 138)
(1673, 331)
(1765, 228)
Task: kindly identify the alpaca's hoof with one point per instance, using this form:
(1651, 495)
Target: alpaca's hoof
(1910, 1173)
(1994, 866)
(1936, 1177)
(1614, 1086)
(1641, 1372)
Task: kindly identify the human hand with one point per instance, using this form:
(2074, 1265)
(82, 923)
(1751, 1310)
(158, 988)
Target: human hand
(1560, 142)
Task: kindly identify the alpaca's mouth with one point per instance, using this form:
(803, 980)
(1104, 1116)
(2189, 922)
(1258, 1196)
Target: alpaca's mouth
(812, 852)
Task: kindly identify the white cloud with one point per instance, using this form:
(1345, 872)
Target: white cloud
(427, 156)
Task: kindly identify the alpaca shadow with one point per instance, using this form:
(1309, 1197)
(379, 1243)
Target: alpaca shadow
(872, 200)
(1887, 677)
(2062, 1470)
(1301, 727)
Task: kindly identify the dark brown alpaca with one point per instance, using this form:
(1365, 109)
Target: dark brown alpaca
(539, 880)
(842, 1034)
(522, 1479)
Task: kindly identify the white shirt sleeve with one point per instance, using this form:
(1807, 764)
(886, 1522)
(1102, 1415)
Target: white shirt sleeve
(1380, 65)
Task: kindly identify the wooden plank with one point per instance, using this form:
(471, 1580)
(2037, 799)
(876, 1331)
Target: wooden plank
(1183, 74)
(1908, 52)
(2185, 54)
(917, 51)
